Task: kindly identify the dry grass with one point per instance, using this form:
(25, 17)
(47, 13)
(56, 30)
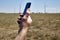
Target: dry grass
(44, 27)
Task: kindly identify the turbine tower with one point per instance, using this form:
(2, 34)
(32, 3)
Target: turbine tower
(45, 6)
(20, 3)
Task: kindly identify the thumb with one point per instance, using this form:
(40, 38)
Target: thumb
(29, 20)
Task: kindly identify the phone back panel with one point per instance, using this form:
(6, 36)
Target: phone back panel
(26, 7)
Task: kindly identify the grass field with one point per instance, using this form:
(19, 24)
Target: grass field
(44, 27)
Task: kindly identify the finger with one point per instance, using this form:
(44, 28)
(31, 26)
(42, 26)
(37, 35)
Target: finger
(28, 12)
(21, 15)
(25, 17)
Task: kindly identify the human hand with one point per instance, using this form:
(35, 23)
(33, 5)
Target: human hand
(24, 21)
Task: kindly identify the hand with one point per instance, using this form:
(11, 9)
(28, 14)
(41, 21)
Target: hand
(24, 21)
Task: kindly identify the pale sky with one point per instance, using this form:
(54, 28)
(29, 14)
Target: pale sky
(14, 6)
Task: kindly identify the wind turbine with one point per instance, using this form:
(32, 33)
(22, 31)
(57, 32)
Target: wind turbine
(45, 6)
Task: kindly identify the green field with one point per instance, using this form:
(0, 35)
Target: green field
(44, 27)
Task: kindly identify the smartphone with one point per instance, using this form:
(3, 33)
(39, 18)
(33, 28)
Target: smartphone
(26, 7)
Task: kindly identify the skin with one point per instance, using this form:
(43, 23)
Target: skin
(24, 24)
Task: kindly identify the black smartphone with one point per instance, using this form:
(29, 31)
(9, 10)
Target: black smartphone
(26, 7)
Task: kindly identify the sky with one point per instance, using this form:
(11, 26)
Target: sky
(16, 6)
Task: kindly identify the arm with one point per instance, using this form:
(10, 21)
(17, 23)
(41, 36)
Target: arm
(24, 24)
(23, 32)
